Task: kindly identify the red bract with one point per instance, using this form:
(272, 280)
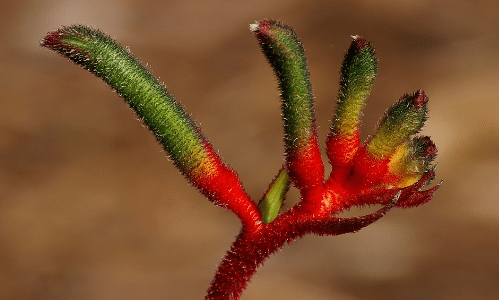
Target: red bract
(390, 168)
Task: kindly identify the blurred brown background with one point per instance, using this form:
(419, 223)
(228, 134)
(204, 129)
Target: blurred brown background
(90, 208)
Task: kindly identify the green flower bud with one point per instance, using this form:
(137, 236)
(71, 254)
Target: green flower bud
(405, 118)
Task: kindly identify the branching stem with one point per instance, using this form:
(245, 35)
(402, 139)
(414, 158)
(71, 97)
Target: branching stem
(391, 168)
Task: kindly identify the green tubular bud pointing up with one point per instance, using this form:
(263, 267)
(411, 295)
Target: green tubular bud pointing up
(101, 55)
(357, 76)
(405, 118)
(285, 53)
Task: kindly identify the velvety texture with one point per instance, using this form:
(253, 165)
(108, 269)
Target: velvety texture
(92, 209)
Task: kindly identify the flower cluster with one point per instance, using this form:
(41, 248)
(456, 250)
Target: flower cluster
(390, 168)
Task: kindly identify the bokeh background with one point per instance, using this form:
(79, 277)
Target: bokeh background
(90, 208)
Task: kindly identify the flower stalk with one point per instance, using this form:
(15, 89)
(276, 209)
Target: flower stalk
(391, 168)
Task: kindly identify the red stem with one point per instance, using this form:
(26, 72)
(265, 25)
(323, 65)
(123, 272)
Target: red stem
(248, 252)
(222, 186)
(251, 249)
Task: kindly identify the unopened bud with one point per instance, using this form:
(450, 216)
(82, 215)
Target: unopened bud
(405, 118)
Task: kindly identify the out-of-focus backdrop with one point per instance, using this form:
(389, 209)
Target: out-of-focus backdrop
(90, 208)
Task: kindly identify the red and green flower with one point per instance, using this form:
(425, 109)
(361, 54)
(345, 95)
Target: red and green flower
(391, 168)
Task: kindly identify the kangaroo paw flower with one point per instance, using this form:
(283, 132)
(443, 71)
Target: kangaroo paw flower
(405, 118)
(357, 75)
(285, 53)
(188, 148)
(391, 168)
(410, 161)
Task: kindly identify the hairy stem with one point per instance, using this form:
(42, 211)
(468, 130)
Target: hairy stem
(250, 250)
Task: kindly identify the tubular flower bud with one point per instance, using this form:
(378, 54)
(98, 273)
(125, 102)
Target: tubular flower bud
(285, 53)
(357, 75)
(411, 160)
(98, 53)
(405, 118)
(188, 148)
(389, 158)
